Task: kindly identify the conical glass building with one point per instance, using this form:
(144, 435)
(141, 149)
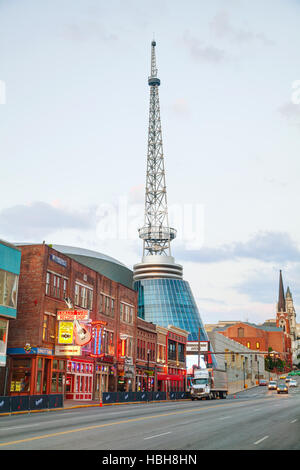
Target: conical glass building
(164, 298)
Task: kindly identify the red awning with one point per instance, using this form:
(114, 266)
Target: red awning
(170, 377)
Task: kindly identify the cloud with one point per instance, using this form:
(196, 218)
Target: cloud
(180, 107)
(201, 52)
(264, 246)
(291, 112)
(87, 30)
(222, 28)
(38, 219)
(260, 287)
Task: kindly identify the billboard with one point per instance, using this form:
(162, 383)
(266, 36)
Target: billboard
(74, 329)
(192, 362)
(3, 340)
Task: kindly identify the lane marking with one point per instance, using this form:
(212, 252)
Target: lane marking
(225, 417)
(157, 435)
(294, 421)
(88, 428)
(260, 440)
(98, 426)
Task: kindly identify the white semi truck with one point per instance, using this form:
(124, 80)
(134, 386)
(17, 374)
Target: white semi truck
(209, 384)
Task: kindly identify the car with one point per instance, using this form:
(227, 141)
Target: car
(282, 377)
(288, 379)
(272, 385)
(293, 383)
(262, 382)
(282, 388)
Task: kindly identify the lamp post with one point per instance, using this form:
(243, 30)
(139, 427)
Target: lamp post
(148, 366)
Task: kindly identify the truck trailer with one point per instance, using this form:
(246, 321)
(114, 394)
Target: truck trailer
(208, 384)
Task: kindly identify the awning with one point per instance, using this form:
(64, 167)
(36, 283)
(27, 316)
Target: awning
(173, 377)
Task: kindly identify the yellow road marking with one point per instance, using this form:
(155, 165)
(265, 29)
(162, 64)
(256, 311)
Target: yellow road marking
(97, 426)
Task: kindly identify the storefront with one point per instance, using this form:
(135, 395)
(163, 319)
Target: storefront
(10, 259)
(33, 371)
(105, 376)
(174, 381)
(145, 379)
(126, 377)
(79, 379)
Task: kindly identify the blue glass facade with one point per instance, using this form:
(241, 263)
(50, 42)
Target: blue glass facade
(170, 302)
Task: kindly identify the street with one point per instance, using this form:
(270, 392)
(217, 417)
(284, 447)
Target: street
(255, 419)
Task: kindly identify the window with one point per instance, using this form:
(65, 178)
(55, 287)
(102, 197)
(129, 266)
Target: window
(76, 294)
(56, 286)
(21, 375)
(83, 302)
(248, 344)
(181, 356)
(65, 285)
(48, 276)
(240, 332)
(89, 299)
(172, 350)
(58, 368)
(49, 324)
(112, 305)
(8, 289)
(257, 345)
(126, 313)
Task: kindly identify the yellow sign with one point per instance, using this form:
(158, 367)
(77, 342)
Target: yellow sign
(65, 332)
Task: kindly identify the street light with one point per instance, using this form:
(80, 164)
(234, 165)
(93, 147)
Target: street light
(148, 366)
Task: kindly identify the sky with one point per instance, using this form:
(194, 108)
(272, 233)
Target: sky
(74, 103)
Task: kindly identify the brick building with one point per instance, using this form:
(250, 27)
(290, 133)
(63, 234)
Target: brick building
(43, 356)
(171, 358)
(146, 378)
(259, 338)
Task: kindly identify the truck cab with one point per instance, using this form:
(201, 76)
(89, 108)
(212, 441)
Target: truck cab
(209, 384)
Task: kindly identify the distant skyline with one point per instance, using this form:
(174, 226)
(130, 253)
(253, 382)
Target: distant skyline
(73, 136)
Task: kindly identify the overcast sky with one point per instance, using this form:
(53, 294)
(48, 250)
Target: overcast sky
(73, 136)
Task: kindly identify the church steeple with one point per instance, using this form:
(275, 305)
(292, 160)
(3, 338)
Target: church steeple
(281, 297)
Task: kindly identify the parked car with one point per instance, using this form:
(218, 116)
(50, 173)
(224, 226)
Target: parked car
(293, 383)
(262, 382)
(272, 385)
(282, 388)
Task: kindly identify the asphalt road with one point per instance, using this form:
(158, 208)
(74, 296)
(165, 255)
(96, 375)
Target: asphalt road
(257, 419)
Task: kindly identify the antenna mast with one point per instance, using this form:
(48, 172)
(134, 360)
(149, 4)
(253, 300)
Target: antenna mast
(156, 233)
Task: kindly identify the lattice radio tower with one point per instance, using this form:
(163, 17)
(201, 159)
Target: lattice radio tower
(156, 233)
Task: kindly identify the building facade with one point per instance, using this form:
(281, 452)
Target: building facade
(10, 260)
(81, 351)
(286, 320)
(244, 366)
(146, 356)
(171, 358)
(260, 338)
